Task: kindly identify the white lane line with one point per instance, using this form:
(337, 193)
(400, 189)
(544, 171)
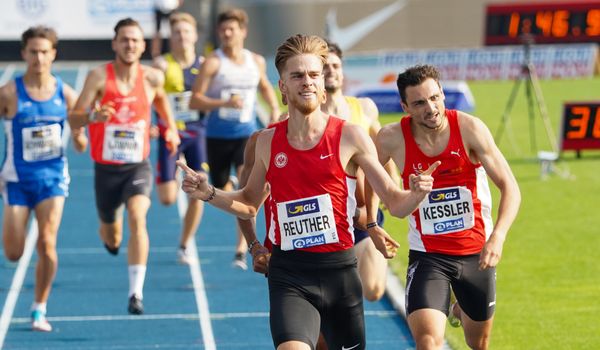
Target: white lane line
(157, 250)
(17, 282)
(198, 282)
(214, 316)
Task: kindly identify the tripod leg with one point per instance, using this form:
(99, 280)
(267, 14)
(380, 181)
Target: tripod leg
(552, 138)
(528, 88)
(504, 121)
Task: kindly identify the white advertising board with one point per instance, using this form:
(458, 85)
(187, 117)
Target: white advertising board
(73, 19)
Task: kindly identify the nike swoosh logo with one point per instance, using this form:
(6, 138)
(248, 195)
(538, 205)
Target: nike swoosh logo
(350, 348)
(348, 36)
(138, 181)
(326, 156)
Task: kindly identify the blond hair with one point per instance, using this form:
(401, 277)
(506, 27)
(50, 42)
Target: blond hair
(300, 44)
(177, 17)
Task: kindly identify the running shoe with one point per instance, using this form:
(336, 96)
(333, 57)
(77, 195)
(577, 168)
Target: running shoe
(112, 251)
(39, 322)
(452, 319)
(135, 305)
(184, 257)
(239, 261)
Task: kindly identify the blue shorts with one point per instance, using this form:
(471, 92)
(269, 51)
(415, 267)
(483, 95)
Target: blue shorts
(359, 234)
(193, 149)
(31, 193)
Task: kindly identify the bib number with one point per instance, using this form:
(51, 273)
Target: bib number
(180, 106)
(123, 143)
(307, 222)
(447, 210)
(41, 142)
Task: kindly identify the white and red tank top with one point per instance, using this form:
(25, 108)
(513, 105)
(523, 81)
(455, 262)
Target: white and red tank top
(125, 137)
(455, 218)
(312, 197)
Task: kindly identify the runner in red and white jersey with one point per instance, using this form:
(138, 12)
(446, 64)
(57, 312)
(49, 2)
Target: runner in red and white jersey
(324, 205)
(453, 246)
(119, 95)
(125, 136)
(319, 284)
(455, 218)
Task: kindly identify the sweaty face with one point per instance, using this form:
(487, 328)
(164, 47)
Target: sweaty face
(39, 55)
(333, 73)
(302, 83)
(129, 44)
(425, 103)
(183, 35)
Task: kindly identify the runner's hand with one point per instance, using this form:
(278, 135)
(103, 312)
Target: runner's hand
(260, 258)
(491, 253)
(195, 184)
(104, 112)
(423, 183)
(172, 140)
(383, 242)
(235, 101)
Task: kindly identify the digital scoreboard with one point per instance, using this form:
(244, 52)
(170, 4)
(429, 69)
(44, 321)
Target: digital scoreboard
(580, 126)
(544, 23)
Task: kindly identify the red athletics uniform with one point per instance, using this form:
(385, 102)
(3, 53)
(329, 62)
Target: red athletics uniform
(125, 137)
(455, 218)
(312, 197)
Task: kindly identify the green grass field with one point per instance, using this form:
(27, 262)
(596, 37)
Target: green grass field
(549, 277)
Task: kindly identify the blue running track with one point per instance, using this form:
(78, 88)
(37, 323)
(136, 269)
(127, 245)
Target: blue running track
(210, 305)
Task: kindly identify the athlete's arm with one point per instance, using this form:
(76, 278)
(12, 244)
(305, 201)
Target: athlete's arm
(260, 254)
(7, 96)
(85, 106)
(481, 147)
(362, 152)
(156, 79)
(266, 89)
(243, 203)
(160, 63)
(80, 141)
(199, 100)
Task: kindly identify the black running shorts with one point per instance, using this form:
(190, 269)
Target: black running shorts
(222, 154)
(115, 184)
(312, 292)
(430, 276)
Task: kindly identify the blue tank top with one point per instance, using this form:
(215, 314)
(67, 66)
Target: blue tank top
(242, 80)
(34, 145)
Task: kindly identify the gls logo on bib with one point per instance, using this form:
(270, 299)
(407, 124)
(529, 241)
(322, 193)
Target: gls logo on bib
(302, 208)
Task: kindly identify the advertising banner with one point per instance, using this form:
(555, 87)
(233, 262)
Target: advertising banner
(73, 19)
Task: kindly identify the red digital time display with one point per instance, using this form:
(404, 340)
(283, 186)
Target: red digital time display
(545, 23)
(581, 126)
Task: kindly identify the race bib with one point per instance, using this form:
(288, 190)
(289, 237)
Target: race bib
(447, 210)
(180, 106)
(243, 115)
(41, 142)
(123, 143)
(307, 222)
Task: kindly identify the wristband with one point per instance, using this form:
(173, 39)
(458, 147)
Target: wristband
(212, 195)
(372, 224)
(252, 244)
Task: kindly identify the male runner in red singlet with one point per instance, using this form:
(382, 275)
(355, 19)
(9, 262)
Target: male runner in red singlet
(453, 244)
(120, 94)
(310, 161)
